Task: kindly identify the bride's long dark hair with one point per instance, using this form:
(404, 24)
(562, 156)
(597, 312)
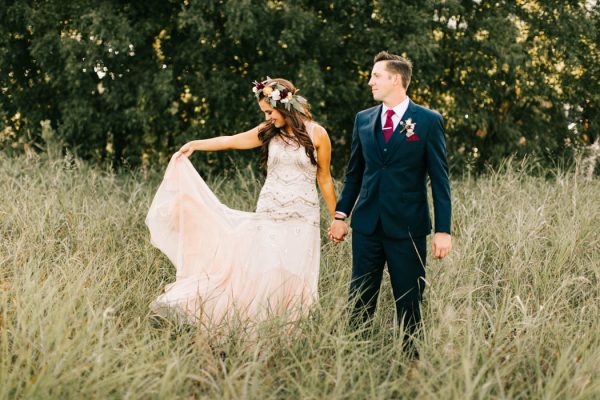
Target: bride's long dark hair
(294, 119)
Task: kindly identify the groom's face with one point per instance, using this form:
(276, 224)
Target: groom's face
(383, 82)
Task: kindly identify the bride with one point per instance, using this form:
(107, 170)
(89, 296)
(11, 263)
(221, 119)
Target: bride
(236, 264)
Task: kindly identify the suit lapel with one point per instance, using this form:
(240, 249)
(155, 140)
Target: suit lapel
(398, 138)
(372, 131)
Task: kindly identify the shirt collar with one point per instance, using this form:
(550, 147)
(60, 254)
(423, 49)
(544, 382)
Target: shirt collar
(399, 110)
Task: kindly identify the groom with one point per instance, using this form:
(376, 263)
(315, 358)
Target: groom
(395, 146)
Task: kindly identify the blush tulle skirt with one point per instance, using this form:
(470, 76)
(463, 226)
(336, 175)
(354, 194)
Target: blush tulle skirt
(229, 264)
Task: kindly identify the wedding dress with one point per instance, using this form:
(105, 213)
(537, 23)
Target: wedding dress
(236, 264)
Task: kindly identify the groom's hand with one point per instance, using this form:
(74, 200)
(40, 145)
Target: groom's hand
(337, 231)
(441, 245)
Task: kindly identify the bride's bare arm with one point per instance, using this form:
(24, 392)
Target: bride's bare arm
(240, 141)
(323, 147)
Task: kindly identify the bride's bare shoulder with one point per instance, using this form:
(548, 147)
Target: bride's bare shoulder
(318, 134)
(318, 129)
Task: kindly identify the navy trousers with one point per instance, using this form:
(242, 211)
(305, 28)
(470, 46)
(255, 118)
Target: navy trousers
(406, 265)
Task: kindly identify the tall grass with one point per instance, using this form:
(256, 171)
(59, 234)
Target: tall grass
(512, 313)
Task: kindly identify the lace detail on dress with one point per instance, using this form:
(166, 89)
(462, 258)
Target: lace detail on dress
(290, 189)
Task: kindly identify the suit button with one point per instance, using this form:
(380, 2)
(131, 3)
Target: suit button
(384, 149)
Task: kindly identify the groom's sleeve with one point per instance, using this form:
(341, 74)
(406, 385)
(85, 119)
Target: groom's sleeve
(354, 174)
(437, 168)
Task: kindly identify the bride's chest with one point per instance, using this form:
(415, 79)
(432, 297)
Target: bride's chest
(288, 153)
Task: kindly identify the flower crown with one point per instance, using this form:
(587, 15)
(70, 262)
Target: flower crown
(275, 92)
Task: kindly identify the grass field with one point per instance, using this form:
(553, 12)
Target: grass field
(514, 312)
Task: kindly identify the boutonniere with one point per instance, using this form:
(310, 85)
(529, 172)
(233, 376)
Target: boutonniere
(408, 126)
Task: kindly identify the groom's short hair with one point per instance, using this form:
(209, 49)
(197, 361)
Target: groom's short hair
(397, 65)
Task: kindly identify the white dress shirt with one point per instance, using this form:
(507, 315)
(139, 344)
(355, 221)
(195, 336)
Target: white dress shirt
(399, 111)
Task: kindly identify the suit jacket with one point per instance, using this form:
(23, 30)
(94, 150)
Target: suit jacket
(389, 180)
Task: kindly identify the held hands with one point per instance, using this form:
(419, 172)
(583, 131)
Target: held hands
(441, 245)
(337, 231)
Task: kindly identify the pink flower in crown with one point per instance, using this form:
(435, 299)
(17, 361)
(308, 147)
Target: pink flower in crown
(274, 92)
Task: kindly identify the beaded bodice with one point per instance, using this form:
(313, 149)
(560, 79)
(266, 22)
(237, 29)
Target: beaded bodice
(289, 191)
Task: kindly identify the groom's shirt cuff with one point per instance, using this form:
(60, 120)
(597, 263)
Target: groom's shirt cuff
(341, 214)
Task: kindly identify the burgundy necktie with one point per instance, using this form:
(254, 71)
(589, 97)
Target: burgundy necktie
(388, 128)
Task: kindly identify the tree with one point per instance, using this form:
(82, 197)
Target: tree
(133, 81)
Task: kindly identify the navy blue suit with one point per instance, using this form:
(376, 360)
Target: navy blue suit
(385, 192)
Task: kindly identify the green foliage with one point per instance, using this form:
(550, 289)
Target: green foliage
(509, 77)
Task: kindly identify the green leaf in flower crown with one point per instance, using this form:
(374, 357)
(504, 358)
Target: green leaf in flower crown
(272, 102)
(288, 106)
(297, 106)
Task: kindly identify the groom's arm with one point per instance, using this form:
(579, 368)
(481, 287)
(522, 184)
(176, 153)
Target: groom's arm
(437, 168)
(354, 174)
